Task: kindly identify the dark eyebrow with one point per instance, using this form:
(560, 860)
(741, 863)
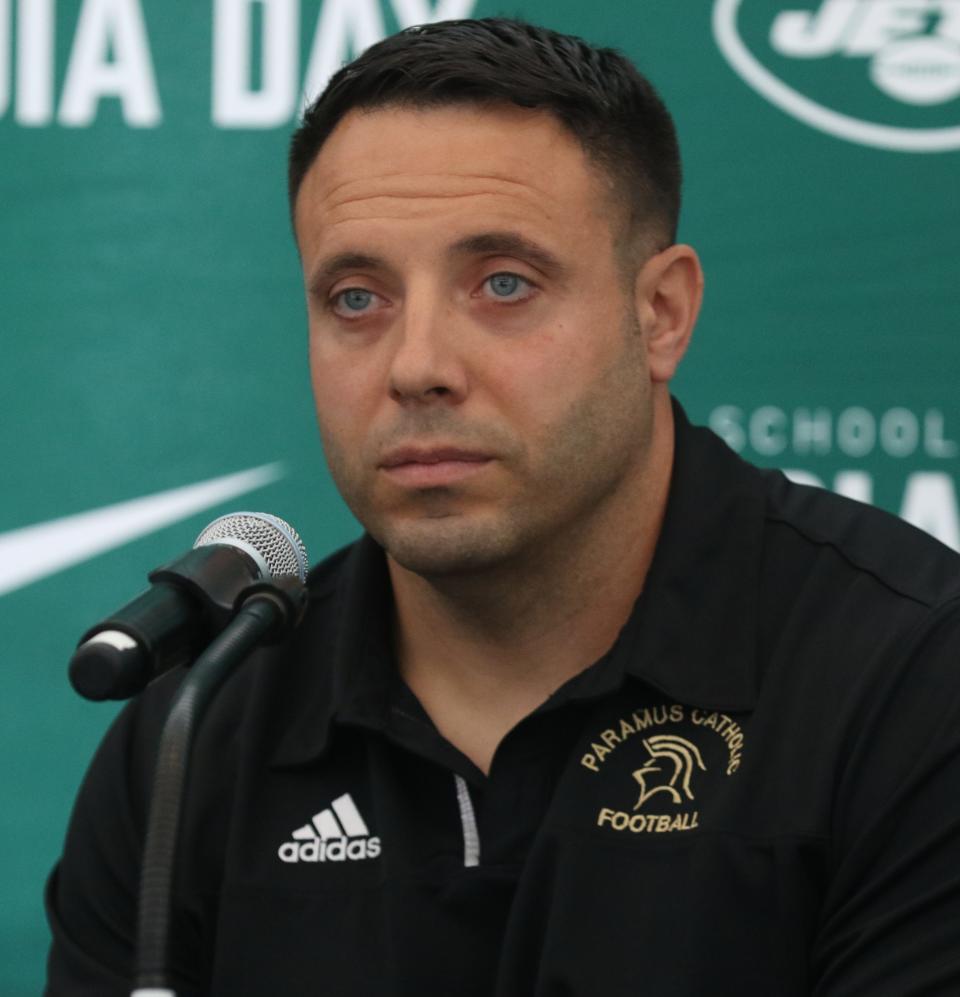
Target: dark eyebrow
(333, 266)
(483, 243)
(511, 244)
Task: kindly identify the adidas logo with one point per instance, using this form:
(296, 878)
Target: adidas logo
(336, 834)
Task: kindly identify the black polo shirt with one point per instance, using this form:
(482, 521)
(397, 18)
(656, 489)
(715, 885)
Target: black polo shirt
(756, 791)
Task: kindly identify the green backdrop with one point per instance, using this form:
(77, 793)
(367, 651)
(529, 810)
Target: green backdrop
(152, 319)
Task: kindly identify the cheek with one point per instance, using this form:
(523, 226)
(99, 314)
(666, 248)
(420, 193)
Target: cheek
(548, 374)
(345, 392)
(595, 393)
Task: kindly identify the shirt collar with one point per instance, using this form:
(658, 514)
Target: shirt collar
(692, 633)
(341, 656)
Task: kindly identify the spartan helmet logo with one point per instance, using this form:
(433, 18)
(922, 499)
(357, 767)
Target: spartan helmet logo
(670, 766)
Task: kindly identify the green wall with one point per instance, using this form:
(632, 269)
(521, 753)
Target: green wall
(152, 320)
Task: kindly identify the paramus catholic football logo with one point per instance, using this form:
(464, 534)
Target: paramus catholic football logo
(668, 768)
(882, 73)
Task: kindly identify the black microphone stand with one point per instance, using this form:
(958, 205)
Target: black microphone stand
(268, 610)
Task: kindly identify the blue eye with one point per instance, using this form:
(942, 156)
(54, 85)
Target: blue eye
(508, 286)
(354, 299)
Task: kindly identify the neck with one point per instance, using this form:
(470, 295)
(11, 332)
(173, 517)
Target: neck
(482, 651)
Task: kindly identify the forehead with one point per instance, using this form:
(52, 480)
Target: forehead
(503, 166)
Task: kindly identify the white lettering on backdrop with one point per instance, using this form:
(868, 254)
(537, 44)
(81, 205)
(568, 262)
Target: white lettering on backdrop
(344, 29)
(109, 57)
(110, 28)
(255, 80)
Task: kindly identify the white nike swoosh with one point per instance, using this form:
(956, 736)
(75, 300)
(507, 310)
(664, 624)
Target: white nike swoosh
(34, 552)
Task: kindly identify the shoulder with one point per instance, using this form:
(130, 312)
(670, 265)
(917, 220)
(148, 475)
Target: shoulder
(863, 560)
(743, 513)
(856, 609)
(851, 541)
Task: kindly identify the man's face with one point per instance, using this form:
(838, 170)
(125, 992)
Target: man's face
(480, 375)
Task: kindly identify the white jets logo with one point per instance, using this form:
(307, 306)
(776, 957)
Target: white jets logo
(909, 51)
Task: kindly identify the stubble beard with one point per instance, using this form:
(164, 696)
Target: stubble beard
(562, 488)
(436, 532)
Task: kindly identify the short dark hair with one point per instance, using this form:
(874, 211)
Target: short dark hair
(597, 93)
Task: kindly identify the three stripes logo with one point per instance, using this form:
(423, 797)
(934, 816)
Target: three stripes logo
(336, 834)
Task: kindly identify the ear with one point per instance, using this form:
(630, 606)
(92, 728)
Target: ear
(668, 292)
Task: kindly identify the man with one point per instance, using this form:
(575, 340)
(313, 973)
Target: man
(594, 707)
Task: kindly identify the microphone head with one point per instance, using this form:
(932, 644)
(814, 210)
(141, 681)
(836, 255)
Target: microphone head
(272, 542)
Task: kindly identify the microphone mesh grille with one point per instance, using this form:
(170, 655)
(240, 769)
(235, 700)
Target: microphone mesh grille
(274, 539)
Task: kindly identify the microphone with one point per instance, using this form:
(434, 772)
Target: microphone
(191, 600)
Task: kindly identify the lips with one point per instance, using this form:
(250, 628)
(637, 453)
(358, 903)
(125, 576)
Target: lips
(430, 455)
(424, 467)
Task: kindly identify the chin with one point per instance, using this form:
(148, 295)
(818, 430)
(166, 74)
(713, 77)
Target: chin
(447, 546)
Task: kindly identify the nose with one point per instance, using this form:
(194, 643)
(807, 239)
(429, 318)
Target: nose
(427, 364)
